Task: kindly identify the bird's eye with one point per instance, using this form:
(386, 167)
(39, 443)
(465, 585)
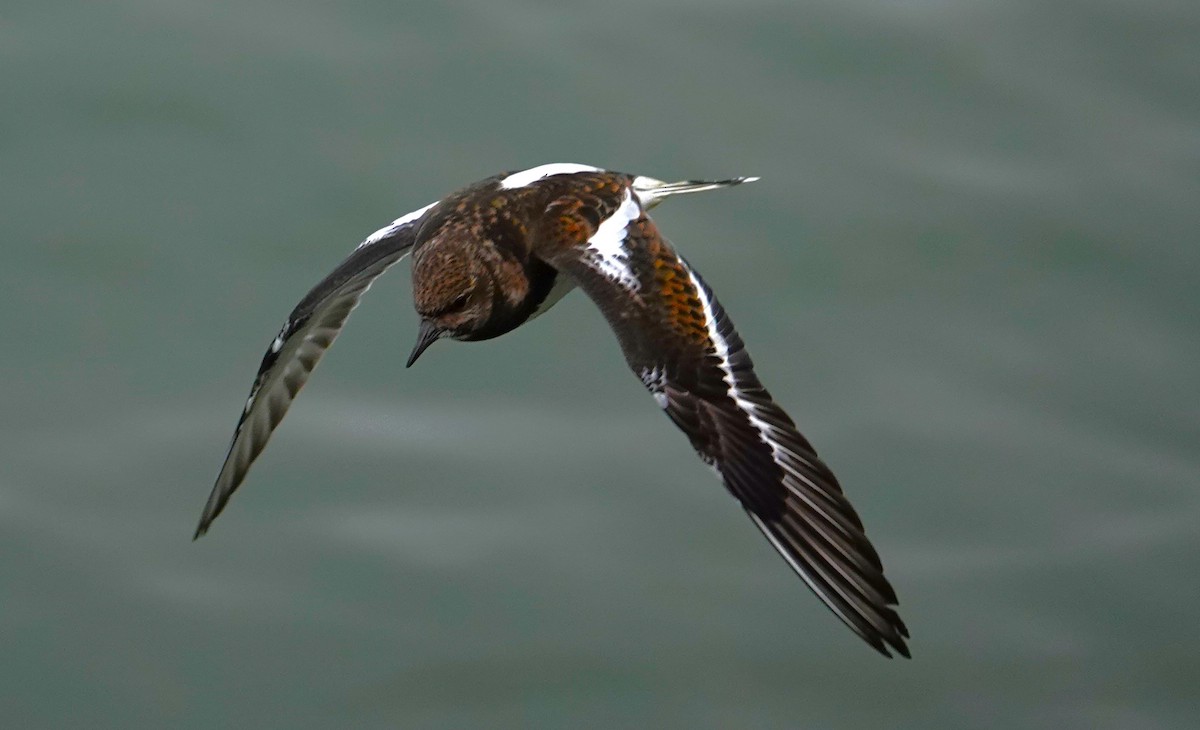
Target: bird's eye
(459, 303)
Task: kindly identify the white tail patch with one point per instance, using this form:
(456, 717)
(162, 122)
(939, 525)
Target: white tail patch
(533, 174)
(606, 249)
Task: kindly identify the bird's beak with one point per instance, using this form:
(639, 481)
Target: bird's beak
(429, 334)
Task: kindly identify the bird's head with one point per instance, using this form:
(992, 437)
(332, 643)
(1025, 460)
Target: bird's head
(453, 294)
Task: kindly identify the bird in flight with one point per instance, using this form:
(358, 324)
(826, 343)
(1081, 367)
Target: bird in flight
(499, 252)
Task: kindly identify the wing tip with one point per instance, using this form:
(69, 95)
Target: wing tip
(882, 643)
(207, 519)
(217, 500)
(897, 646)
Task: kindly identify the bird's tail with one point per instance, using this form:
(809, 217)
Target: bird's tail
(652, 192)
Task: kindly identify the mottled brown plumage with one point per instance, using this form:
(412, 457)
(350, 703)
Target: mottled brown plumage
(495, 254)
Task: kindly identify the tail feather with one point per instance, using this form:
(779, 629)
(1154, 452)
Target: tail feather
(652, 192)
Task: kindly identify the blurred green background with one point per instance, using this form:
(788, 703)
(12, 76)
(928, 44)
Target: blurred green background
(970, 273)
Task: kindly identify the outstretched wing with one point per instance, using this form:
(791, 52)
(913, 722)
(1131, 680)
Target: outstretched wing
(308, 332)
(679, 340)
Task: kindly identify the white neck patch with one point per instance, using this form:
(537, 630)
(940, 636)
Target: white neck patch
(606, 248)
(533, 174)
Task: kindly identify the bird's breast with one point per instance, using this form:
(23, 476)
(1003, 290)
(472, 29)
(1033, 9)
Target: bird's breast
(520, 294)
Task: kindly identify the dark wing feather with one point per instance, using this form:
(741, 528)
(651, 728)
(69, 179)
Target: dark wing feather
(679, 340)
(308, 332)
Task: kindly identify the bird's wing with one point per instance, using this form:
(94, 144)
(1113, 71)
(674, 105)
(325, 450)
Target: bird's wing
(308, 332)
(679, 341)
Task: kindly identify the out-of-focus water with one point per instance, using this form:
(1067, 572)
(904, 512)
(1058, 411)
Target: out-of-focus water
(970, 272)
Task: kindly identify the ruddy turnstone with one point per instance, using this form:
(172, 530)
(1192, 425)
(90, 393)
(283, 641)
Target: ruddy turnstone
(497, 253)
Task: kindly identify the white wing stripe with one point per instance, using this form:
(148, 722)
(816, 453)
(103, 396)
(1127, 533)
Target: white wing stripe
(395, 225)
(765, 429)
